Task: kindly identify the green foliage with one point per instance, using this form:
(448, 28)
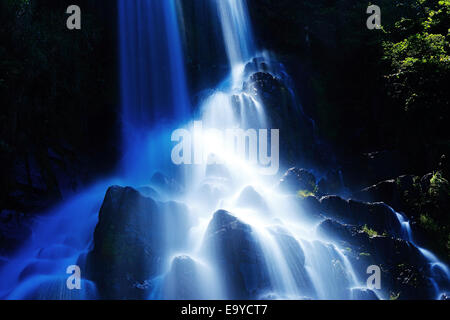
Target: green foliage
(439, 186)
(428, 223)
(416, 51)
(428, 204)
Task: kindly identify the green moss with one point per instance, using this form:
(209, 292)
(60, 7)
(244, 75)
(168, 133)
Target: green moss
(305, 194)
(372, 233)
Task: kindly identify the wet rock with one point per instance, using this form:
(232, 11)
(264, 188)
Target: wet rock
(231, 244)
(308, 207)
(389, 250)
(254, 66)
(295, 257)
(183, 281)
(404, 269)
(393, 192)
(131, 242)
(408, 282)
(296, 179)
(383, 191)
(376, 215)
(250, 198)
(424, 201)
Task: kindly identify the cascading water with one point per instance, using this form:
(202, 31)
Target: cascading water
(438, 269)
(60, 239)
(154, 93)
(231, 107)
(283, 256)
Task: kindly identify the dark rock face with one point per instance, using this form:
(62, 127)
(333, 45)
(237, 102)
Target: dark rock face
(404, 269)
(396, 192)
(376, 215)
(389, 250)
(256, 65)
(266, 87)
(331, 184)
(240, 259)
(297, 179)
(424, 200)
(383, 191)
(131, 242)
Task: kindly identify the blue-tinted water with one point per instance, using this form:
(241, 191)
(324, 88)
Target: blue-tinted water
(155, 101)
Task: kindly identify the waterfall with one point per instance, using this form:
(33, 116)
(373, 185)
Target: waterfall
(439, 270)
(237, 32)
(230, 106)
(154, 95)
(283, 256)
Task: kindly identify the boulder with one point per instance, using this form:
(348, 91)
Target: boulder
(377, 216)
(232, 245)
(132, 241)
(265, 87)
(386, 249)
(404, 269)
